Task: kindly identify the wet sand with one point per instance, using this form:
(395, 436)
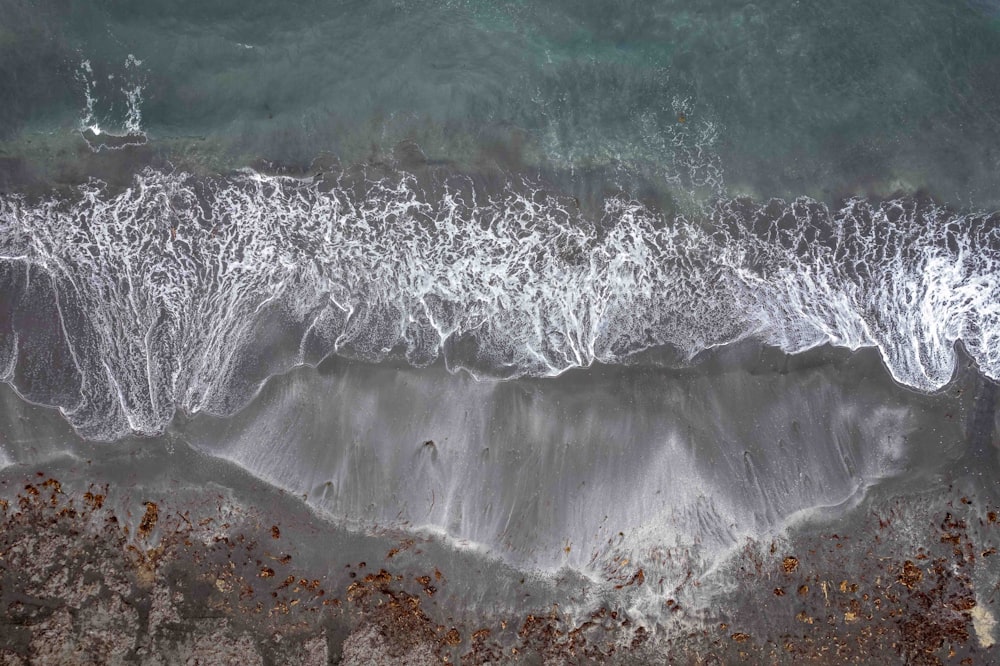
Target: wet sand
(863, 535)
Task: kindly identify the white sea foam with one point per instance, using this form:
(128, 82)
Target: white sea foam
(133, 96)
(85, 76)
(170, 283)
(129, 130)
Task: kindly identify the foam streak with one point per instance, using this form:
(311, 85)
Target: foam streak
(175, 288)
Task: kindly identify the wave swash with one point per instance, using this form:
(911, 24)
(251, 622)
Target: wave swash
(129, 306)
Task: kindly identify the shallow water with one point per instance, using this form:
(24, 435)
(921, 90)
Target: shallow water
(776, 99)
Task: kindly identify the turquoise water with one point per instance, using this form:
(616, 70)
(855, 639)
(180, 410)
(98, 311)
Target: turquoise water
(777, 98)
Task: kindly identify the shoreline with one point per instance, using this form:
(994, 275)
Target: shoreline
(126, 575)
(541, 614)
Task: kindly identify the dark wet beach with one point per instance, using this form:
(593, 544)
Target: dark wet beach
(892, 563)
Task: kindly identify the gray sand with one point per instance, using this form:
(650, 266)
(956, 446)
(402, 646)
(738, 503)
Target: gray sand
(630, 491)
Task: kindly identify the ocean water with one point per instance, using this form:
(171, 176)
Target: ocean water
(677, 271)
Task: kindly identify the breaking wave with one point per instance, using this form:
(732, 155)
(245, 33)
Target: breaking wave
(183, 292)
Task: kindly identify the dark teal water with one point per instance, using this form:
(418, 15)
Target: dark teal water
(778, 98)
